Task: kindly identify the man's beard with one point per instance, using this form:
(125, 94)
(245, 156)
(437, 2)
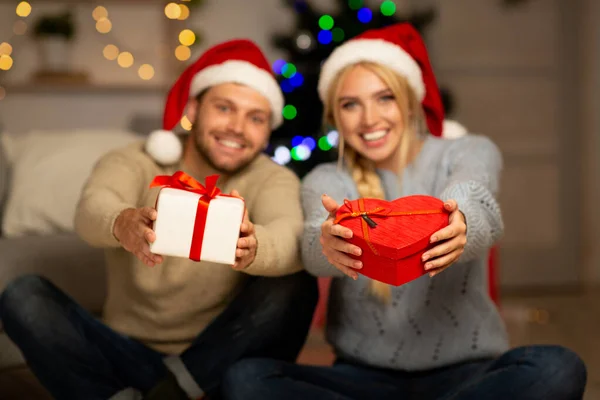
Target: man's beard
(204, 152)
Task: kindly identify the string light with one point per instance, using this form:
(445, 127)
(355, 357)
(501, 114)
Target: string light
(20, 27)
(301, 153)
(326, 22)
(324, 144)
(185, 12)
(6, 62)
(355, 4)
(146, 72)
(286, 86)
(172, 11)
(310, 143)
(5, 49)
(303, 41)
(99, 13)
(187, 37)
(288, 70)
(278, 66)
(111, 52)
(282, 155)
(183, 53)
(303, 147)
(297, 141)
(297, 80)
(337, 34)
(125, 59)
(300, 6)
(365, 15)
(333, 138)
(23, 9)
(388, 8)
(289, 112)
(103, 25)
(186, 124)
(325, 37)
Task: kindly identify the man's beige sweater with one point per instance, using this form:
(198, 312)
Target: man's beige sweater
(168, 305)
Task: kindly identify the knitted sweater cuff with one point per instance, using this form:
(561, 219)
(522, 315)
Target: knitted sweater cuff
(482, 215)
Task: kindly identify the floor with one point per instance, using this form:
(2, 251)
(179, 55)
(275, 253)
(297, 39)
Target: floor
(572, 321)
(569, 320)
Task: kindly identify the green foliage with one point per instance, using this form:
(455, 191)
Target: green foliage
(60, 25)
(344, 25)
(193, 3)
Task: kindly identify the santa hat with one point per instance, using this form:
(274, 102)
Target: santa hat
(400, 48)
(238, 61)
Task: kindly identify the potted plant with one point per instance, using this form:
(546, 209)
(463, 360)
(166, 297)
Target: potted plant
(54, 34)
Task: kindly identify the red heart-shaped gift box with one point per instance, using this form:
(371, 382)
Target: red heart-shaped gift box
(393, 235)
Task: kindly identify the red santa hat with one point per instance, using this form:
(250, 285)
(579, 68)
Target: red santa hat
(400, 48)
(238, 61)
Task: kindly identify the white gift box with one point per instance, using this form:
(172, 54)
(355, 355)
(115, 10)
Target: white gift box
(175, 226)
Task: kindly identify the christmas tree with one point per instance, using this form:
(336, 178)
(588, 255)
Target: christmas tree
(301, 143)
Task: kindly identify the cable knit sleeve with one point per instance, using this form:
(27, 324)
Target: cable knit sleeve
(115, 184)
(324, 179)
(474, 170)
(277, 217)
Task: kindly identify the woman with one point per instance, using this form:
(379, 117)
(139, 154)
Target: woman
(439, 336)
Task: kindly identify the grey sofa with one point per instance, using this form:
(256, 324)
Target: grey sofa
(64, 259)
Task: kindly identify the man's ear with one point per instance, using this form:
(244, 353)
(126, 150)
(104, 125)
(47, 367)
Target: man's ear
(192, 110)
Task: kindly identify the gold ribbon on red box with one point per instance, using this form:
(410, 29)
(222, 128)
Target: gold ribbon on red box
(367, 222)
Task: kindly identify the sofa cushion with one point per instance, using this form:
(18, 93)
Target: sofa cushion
(64, 259)
(4, 175)
(48, 171)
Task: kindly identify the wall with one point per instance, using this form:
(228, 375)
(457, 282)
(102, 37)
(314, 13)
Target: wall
(115, 94)
(589, 69)
(119, 93)
(511, 70)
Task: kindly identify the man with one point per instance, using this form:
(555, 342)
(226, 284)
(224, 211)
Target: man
(171, 326)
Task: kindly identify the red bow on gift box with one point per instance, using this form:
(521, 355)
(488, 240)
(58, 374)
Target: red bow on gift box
(182, 181)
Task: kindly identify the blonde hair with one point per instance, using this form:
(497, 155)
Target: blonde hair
(362, 169)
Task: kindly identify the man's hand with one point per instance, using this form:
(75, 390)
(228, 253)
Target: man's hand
(453, 239)
(335, 248)
(247, 243)
(133, 230)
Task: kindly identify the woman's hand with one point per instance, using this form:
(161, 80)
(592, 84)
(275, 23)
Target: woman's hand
(452, 238)
(335, 248)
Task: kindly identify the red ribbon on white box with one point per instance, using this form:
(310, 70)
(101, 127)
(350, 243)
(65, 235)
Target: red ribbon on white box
(182, 181)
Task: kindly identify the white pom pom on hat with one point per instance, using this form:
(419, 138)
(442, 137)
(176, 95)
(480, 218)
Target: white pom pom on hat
(164, 147)
(236, 61)
(453, 129)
